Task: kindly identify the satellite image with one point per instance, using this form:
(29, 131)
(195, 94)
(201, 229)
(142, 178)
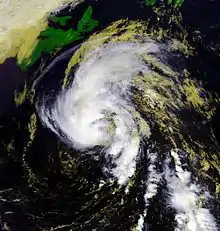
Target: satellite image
(110, 115)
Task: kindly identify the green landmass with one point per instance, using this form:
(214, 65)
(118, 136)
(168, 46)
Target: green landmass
(53, 39)
(61, 20)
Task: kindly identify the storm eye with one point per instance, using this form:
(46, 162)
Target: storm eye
(112, 122)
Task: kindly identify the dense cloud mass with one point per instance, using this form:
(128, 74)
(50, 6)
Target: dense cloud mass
(112, 124)
(97, 110)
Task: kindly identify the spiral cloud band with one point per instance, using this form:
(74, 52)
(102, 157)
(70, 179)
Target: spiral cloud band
(99, 108)
(109, 115)
(96, 110)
